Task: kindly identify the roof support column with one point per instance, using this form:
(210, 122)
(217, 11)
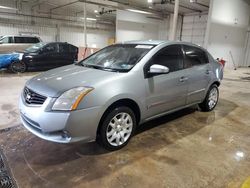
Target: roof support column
(175, 19)
(85, 25)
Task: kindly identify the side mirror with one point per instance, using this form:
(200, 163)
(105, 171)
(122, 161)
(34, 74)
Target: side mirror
(158, 69)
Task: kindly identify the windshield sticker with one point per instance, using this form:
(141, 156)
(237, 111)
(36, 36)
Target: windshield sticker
(144, 46)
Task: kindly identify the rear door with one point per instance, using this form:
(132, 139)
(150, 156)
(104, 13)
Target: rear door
(197, 65)
(167, 91)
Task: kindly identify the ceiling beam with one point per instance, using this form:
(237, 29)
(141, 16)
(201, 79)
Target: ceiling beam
(122, 6)
(201, 4)
(64, 5)
(171, 2)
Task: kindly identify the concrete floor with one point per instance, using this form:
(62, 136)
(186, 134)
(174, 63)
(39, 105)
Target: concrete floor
(185, 149)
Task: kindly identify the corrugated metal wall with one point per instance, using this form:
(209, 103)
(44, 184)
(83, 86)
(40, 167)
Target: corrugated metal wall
(194, 29)
(52, 27)
(48, 31)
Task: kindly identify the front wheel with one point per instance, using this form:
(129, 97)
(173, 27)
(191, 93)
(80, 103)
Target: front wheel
(211, 99)
(18, 66)
(117, 128)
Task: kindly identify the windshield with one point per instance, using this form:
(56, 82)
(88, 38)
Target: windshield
(35, 47)
(119, 57)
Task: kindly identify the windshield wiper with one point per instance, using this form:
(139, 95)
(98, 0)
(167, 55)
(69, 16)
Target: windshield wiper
(104, 68)
(92, 66)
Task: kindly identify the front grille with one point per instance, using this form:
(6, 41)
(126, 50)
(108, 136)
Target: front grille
(32, 97)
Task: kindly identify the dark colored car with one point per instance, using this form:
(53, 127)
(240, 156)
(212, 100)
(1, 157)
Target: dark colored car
(44, 56)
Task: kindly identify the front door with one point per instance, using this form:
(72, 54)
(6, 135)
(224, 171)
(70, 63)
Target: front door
(166, 91)
(49, 56)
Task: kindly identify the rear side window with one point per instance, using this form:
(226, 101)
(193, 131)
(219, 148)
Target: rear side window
(63, 48)
(171, 57)
(32, 40)
(194, 56)
(19, 40)
(26, 40)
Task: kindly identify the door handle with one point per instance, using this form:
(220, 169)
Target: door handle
(207, 71)
(183, 79)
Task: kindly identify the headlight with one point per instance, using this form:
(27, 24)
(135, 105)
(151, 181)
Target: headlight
(70, 99)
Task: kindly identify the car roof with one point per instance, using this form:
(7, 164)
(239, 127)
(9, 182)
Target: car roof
(20, 36)
(158, 42)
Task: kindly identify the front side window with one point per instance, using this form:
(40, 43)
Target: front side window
(6, 40)
(50, 48)
(194, 56)
(171, 57)
(119, 57)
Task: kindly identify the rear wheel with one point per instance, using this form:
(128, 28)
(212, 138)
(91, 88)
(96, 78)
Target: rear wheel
(18, 66)
(211, 99)
(117, 128)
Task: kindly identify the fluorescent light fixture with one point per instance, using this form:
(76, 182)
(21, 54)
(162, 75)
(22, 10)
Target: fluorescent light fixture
(138, 11)
(9, 8)
(193, 1)
(150, 1)
(96, 11)
(91, 19)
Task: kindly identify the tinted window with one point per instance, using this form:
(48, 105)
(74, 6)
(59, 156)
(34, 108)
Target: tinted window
(19, 40)
(170, 57)
(73, 49)
(50, 48)
(32, 40)
(26, 40)
(194, 56)
(63, 48)
(35, 47)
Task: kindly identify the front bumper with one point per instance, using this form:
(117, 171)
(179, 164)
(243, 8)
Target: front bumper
(60, 127)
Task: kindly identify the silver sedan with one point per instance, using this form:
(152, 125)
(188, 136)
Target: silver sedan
(107, 95)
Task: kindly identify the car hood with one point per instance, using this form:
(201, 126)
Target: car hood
(56, 81)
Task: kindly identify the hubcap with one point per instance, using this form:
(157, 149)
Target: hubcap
(213, 98)
(119, 129)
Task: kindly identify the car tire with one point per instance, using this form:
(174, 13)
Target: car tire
(18, 66)
(211, 99)
(117, 128)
